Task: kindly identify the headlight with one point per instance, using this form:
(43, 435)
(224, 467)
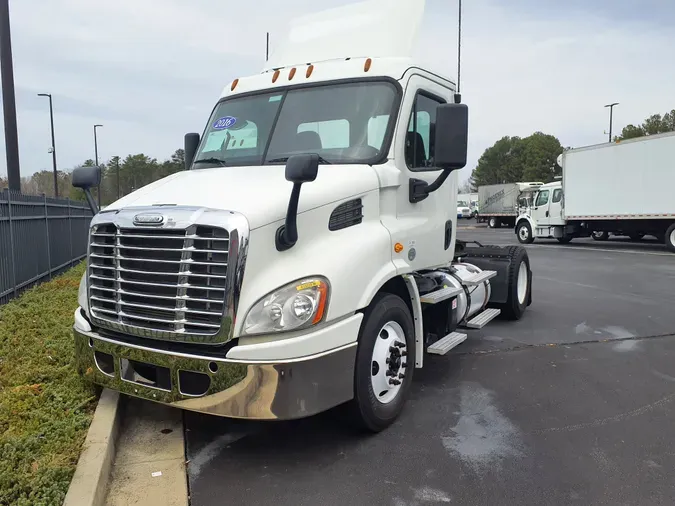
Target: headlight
(293, 307)
(82, 294)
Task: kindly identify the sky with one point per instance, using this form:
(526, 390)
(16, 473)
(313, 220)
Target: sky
(151, 70)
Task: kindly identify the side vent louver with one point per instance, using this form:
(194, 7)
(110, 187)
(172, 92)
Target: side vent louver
(346, 215)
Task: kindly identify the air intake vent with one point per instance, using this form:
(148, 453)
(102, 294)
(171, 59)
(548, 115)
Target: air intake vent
(346, 215)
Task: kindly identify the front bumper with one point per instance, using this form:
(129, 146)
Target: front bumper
(260, 390)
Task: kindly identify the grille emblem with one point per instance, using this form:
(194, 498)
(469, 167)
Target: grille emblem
(148, 219)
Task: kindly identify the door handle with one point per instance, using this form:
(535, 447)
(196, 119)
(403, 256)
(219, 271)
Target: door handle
(547, 214)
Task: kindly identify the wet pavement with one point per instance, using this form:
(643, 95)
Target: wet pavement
(574, 404)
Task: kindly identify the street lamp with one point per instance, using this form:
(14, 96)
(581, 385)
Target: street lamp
(96, 161)
(611, 110)
(53, 147)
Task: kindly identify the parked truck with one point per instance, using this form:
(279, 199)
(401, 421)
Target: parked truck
(621, 188)
(316, 265)
(501, 204)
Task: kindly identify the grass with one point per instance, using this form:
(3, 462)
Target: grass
(45, 408)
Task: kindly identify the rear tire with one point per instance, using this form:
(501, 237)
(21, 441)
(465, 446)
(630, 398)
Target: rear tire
(600, 236)
(519, 284)
(669, 239)
(524, 233)
(494, 223)
(386, 321)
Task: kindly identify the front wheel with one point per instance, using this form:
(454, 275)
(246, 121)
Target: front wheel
(669, 239)
(385, 361)
(600, 236)
(494, 223)
(524, 233)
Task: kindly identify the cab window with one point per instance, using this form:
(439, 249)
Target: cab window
(542, 198)
(419, 141)
(557, 195)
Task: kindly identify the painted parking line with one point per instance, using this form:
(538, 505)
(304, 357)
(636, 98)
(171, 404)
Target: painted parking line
(605, 250)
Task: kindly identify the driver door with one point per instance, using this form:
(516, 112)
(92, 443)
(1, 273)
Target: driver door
(540, 211)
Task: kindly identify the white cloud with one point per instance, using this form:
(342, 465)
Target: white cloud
(151, 70)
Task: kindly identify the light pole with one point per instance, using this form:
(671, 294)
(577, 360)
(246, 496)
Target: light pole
(96, 161)
(8, 100)
(53, 148)
(611, 111)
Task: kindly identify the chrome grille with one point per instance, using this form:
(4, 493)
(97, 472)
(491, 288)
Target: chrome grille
(159, 282)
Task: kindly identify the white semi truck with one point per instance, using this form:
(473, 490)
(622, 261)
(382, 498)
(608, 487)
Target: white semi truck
(622, 188)
(501, 204)
(310, 266)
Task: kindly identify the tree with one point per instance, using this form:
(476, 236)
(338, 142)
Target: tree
(513, 159)
(654, 124)
(539, 157)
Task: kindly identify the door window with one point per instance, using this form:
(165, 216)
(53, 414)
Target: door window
(542, 198)
(419, 142)
(557, 195)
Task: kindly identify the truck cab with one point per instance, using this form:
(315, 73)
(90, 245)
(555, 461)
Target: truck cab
(306, 257)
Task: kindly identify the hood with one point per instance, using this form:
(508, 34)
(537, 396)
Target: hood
(259, 193)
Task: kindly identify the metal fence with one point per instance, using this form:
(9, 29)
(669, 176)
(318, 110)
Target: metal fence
(39, 238)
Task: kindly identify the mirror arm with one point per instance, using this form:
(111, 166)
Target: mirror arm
(419, 189)
(91, 201)
(287, 234)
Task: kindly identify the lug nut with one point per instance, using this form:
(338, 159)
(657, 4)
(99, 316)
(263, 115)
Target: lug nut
(386, 360)
(404, 353)
(399, 344)
(394, 382)
(403, 365)
(390, 373)
(401, 376)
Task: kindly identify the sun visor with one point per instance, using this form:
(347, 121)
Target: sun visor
(374, 28)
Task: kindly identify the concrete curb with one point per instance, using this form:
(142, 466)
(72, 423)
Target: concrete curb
(90, 482)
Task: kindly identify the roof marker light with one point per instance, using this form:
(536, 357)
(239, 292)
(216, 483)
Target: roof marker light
(275, 76)
(291, 74)
(366, 66)
(234, 84)
(310, 69)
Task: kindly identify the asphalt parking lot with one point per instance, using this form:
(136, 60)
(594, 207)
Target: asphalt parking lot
(574, 404)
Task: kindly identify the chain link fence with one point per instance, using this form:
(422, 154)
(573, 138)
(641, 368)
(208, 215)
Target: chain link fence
(39, 238)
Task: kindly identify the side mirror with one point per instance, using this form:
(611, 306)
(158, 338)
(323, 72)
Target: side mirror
(299, 169)
(302, 168)
(86, 178)
(191, 145)
(452, 134)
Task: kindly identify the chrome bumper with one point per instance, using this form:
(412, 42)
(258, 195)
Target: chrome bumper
(236, 389)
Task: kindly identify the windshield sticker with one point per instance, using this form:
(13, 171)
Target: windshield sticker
(224, 123)
(275, 98)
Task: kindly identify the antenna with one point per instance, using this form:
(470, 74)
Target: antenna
(267, 49)
(458, 95)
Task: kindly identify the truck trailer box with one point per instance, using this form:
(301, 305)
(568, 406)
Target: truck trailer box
(631, 179)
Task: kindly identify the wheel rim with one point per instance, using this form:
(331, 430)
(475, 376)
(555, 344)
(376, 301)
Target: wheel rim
(388, 363)
(522, 282)
(524, 233)
(672, 238)
(493, 222)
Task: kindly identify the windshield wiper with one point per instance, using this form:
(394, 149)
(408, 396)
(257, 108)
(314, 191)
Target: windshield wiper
(284, 159)
(220, 162)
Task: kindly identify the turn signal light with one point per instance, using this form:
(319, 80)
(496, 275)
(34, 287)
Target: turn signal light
(398, 247)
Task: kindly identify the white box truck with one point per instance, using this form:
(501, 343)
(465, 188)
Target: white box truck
(314, 264)
(621, 188)
(501, 204)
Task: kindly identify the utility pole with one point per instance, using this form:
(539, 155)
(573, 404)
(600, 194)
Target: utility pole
(611, 110)
(8, 100)
(53, 147)
(96, 161)
(117, 163)
(458, 95)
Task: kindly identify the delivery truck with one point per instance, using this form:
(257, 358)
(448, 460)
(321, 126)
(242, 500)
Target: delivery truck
(500, 204)
(619, 188)
(313, 266)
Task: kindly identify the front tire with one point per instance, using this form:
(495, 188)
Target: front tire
(519, 284)
(524, 233)
(600, 236)
(669, 239)
(494, 223)
(385, 362)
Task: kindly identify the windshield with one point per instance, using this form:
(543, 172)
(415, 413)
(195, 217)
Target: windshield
(342, 123)
(461, 203)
